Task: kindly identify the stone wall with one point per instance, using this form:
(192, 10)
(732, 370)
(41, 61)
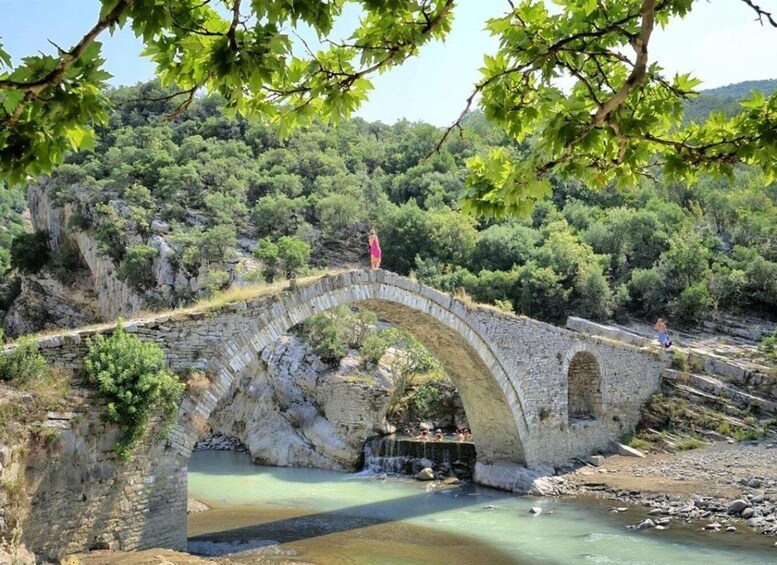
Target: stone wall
(511, 372)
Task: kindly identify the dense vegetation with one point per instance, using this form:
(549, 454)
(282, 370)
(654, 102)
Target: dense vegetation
(227, 188)
(132, 376)
(422, 389)
(619, 118)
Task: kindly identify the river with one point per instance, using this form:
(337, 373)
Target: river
(331, 518)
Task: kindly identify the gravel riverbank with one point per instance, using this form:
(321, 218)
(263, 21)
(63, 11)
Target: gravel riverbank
(721, 487)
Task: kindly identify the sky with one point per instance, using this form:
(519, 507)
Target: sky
(719, 42)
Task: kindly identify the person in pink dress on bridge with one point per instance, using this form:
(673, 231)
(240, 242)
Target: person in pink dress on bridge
(375, 252)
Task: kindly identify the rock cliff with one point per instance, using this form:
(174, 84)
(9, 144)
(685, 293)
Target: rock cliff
(95, 293)
(299, 412)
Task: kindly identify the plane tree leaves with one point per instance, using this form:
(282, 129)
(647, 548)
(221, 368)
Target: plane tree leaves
(242, 50)
(578, 85)
(574, 85)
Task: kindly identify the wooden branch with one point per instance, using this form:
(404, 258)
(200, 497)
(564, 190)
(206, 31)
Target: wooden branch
(638, 74)
(761, 13)
(233, 25)
(34, 88)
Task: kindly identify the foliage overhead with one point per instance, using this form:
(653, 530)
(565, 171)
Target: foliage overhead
(238, 49)
(618, 119)
(621, 117)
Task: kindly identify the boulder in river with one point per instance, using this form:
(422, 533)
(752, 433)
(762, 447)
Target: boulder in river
(425, 474)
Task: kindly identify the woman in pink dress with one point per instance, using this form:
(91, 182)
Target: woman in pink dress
(375, 253)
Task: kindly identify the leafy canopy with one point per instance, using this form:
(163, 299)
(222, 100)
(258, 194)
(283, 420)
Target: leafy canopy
(239, 49)
(574, 81)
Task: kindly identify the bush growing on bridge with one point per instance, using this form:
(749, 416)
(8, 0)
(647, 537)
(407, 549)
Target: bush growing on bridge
(131, 374)
(23, 364)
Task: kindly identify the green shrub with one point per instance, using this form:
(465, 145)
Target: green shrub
(425, 396)
(373, 347)
(131, 374)
(690, 443)
(636, 442)
(214, 280)
(769, 345)
(745, 434)
(289, 257)
(65, 263)
(648, 292)
(679, 361)
(724, 428)
(693, 305)
(30, 251)
(23, 364)
(332, 333)
(135, 268)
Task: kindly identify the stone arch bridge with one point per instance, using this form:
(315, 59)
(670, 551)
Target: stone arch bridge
(534, 394)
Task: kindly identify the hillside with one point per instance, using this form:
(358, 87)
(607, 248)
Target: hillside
(162, 214)
(725, 99)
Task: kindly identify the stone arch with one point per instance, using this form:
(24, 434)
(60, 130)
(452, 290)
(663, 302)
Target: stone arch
(492, 401)
(585, 379)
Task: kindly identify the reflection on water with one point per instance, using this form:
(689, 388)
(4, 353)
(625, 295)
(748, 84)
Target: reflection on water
(331, 518)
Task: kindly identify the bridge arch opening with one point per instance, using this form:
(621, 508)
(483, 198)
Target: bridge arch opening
(584, 391)
(491, 401)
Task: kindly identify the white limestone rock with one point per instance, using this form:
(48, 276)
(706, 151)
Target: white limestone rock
(626, 451)
(295, 411)
(425, 474)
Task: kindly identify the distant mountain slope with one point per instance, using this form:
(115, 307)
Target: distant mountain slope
(725, 99)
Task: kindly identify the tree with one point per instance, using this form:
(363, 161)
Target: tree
(49, 103)
(621, 115)
(619, 118)
(289, 256)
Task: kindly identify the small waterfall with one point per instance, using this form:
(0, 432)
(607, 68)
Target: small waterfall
(406, 456)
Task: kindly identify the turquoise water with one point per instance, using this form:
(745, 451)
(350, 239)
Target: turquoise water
(332, 518)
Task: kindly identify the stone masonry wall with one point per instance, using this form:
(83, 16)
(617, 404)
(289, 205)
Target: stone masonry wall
(511, 373)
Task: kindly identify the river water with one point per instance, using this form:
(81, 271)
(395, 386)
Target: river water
(329, 518)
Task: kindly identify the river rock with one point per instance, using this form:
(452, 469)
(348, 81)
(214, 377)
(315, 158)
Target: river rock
(747, 513)
(737, 506)
(193, 506)
(646, 524)
(627, 451)
(536, 510)
(596, 460)
(425, 474)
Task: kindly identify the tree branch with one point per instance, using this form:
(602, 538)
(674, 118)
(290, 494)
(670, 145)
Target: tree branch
(638, 74)
(34, 88)
(761, 13)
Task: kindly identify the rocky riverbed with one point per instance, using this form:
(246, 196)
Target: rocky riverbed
(721, 487)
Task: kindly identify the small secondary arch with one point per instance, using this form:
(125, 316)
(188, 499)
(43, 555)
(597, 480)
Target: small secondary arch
(584, 378)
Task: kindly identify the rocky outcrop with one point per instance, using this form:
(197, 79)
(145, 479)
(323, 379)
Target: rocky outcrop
(44, 303)
(47, 303)
(298, 412)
